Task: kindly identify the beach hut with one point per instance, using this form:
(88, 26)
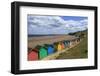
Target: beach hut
(55, 45)
(66, 43)
(59, 47)
(62, 45)
(73, 42)
(42, 51)
(78, 39)
(32, 55)
(50, 49)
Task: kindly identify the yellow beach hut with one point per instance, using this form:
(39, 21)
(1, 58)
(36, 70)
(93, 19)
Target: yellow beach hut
(59, 47)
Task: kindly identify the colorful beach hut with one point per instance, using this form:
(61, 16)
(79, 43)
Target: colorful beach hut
(78, 39)
(59, 47)
(33, 55)
(67, 43)
(62, 45)
(42, 51)
(50, 48)
(55, 45)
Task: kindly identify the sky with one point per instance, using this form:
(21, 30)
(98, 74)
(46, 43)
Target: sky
(76, 18)
(43, 25)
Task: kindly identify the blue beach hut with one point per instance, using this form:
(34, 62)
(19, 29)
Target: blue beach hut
(50, 49)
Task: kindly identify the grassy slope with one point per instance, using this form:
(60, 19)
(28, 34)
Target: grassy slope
(79, 51)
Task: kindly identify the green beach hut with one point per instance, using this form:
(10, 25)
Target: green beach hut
(42, 51)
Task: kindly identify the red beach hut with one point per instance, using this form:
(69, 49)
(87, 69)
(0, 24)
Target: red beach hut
(33, 55)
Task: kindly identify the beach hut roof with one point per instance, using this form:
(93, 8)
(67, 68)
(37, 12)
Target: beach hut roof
(35, 49)
(48, 45)
(29, 48)
(40, 47)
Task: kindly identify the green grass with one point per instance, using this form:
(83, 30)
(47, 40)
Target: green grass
(77, 52)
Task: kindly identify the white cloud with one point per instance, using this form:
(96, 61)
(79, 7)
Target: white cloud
(53, 25)
(77, 25)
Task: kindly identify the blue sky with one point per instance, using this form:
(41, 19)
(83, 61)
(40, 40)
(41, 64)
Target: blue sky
(76, 18)
(55, 24)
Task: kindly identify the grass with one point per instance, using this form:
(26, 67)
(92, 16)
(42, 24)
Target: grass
(77, 52)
